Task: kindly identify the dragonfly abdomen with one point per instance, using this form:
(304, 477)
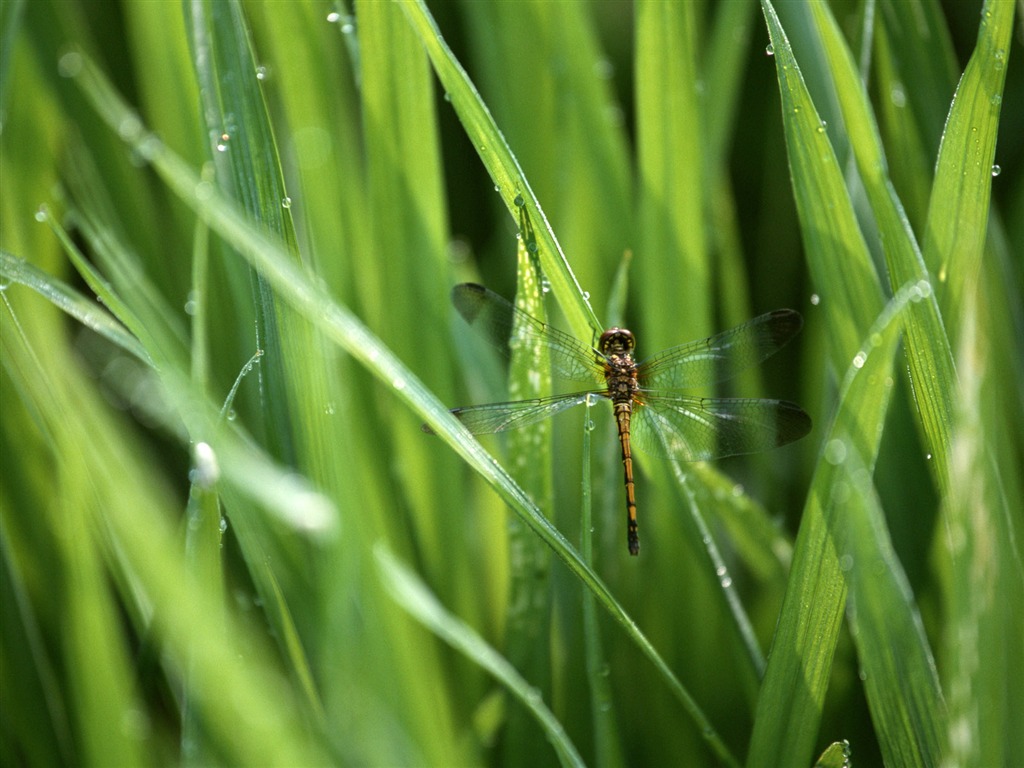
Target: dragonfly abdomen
(623, 412)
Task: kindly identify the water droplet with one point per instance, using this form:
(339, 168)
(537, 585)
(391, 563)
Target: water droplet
(586, 295)
(190, 304)
(223, 525)
(858, 360)
(286, 202)
(398, 384)
(876, 339)
(726, 582)
(928, 457)
(822, 126)
(329, 409)
(42, 213)
(996, 100)
(996, 170)
(447, 97)
(333, 17)
(496, 187)
(262, 73)
(518, 202)
(738, 490)
(815, 299)
(232, 414)
(897, 95)
(70, 64)
(769, 50)
(130, 128)
(846, 563)
(348, 28)
(222, 142)
(206, 470)
(835, 452)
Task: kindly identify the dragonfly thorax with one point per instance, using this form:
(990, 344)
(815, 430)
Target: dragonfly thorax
(616, 342)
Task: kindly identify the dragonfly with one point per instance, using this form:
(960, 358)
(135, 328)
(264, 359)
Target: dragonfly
(652, 409)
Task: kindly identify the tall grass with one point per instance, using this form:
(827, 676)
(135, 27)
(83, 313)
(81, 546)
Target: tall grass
(228, 235)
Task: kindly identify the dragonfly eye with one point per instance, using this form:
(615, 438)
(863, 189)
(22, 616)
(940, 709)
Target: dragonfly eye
(616, 341)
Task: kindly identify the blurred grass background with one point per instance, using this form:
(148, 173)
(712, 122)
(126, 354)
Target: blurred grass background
(229, 231)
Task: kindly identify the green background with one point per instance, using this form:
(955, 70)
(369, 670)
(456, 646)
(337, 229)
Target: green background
(229, 231)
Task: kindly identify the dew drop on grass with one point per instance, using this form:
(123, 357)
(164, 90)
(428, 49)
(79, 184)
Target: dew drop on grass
(286, 202)
(996, 170)
(815, 299)
(835, 452)
(769, 50)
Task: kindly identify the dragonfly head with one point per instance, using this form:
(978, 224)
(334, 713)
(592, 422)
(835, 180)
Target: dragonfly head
(616, 342)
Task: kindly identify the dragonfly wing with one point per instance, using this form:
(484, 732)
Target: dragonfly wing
(721, 356)
(506, 327)
(499, 417)
(704, 428)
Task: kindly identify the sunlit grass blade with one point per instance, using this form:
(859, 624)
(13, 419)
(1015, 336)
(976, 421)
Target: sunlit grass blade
(838, 258)
(672, 195)
(792, 696)
(958, 211)
(412, 594)
(503, 167)
(896, 662)
(983, 672)
(340, 326)
(932, 374)
(88, 313)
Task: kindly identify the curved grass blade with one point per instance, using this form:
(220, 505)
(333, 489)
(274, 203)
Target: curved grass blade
(503, 167)
(339, 325)
(406, 588)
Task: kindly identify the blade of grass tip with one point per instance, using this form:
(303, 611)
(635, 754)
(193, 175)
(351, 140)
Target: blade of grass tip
(503, 168)
(311, 300)
(607, 742)
(789, 707)
(932, 374)
(408, 591)
(88, 313)
(958, 211)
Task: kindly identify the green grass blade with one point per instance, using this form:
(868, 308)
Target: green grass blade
(503, 168)
(932, 374)
(983, 673)
(412, 594)
(88, 313)
(839, 261)
(672, 251)
(896, 662)
(341, 327)
(958, 212)
(792, 696)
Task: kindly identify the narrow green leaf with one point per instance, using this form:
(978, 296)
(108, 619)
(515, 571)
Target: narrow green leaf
(412, 594)
(344, 329)
(932, 374)
(790, 705)
(88, 313)
(896, 662)
(672, 192)
(958, 212)
(503, 167)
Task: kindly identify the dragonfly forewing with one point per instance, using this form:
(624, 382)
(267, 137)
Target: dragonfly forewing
(506, 327)
(498, 417)
(721, 356)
